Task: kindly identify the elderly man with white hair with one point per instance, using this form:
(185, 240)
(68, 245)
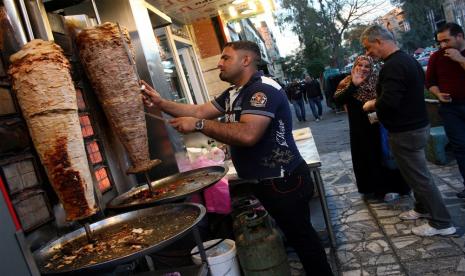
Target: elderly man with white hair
(401, 109)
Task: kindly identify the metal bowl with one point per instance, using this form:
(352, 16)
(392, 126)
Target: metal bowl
(202, 179)
(168, 212)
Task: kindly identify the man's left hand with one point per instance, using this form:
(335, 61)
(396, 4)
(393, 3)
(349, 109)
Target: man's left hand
(184, 124)
(455, 55)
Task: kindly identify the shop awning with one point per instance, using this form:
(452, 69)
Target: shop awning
(189, 11)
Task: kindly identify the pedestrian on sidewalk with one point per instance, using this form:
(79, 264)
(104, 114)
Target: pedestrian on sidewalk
(445, 78)
(258, 128)
(401, 108)
(295, 94)
(372, 177)
(314, 97)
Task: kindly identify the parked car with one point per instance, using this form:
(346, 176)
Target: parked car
(348, 68)
(423, 61)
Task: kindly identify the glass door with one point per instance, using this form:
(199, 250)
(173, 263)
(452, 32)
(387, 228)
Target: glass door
(181, 67)
(172, 74)
(193, 77)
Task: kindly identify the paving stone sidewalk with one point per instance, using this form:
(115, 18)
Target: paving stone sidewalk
(371, 239)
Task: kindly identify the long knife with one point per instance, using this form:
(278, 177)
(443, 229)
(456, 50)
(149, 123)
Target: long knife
(156, 117)
(126, 47)
(133, 64)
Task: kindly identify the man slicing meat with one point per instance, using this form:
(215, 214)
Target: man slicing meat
(258, 128)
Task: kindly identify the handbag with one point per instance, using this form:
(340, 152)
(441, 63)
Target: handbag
(387, 159)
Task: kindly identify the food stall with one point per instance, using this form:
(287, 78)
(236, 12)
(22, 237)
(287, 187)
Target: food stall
(74, 140)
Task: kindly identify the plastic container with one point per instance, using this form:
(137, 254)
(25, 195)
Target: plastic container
(222, 258)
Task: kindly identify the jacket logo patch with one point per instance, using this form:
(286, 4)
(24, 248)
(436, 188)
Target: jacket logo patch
(258, 99)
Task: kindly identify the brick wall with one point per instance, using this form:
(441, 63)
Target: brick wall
(206, 39)
(208, 50)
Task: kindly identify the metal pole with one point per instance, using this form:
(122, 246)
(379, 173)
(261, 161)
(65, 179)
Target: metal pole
(26, 19)
(324, 205)
(97, 16)
(198, 240)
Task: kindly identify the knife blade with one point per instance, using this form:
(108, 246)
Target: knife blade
(156, 117)
(128, 53)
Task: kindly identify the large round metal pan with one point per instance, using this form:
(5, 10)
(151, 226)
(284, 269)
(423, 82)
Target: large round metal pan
(187, 183)
(168, 214)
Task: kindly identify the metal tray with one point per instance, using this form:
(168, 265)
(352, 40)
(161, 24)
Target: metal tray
(167, 213)
(202, 179)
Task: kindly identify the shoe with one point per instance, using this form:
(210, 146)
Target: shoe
(461, 194)
(427, 230)
(317, 120)
(391, 197)
(412, 215)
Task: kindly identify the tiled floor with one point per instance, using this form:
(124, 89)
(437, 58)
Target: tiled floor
(371, 239)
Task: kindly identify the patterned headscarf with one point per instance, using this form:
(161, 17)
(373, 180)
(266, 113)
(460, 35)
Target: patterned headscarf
(367, 89)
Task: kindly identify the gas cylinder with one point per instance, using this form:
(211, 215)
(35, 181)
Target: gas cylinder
(240, 206)
(260, 247)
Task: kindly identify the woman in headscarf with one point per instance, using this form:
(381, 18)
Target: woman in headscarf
(365, 140)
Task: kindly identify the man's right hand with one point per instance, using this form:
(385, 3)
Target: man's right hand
(369, 105)
(443, 97)
(455, 55)
(150, 96)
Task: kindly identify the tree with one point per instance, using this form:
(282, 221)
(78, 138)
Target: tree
(420, 15)
(293, 66)
(338, 16)
(352, 39)
(321, 24)
(304, 21)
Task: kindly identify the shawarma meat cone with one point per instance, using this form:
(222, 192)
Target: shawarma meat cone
(46, 94)
(113, 78)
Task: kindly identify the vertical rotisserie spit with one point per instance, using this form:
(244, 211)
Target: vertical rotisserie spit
(45, 91)
(113, 78)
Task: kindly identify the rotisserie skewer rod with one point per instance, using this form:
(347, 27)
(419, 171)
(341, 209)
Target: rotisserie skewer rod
(90, 238)
(149, 183)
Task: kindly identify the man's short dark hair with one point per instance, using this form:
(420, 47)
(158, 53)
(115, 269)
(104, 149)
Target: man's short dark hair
(453, 28)
(246, 45)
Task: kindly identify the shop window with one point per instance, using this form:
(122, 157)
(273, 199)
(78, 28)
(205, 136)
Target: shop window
(86, 126)
(80, 100)
(20, 175)
(103, 180)
(7, 105)
(93, 151)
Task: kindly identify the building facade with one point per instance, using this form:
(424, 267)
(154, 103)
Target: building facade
(274, 67)
(454, 11)
(394, 21)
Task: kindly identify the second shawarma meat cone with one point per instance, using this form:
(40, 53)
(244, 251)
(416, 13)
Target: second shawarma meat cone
(105, 59)
(45, 91)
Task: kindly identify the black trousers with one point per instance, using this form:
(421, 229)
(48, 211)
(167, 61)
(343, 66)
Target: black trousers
(287, 201)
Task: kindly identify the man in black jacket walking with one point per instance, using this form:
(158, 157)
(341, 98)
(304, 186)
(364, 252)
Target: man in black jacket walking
(400, 107)
(314, 96)
(296, 97)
